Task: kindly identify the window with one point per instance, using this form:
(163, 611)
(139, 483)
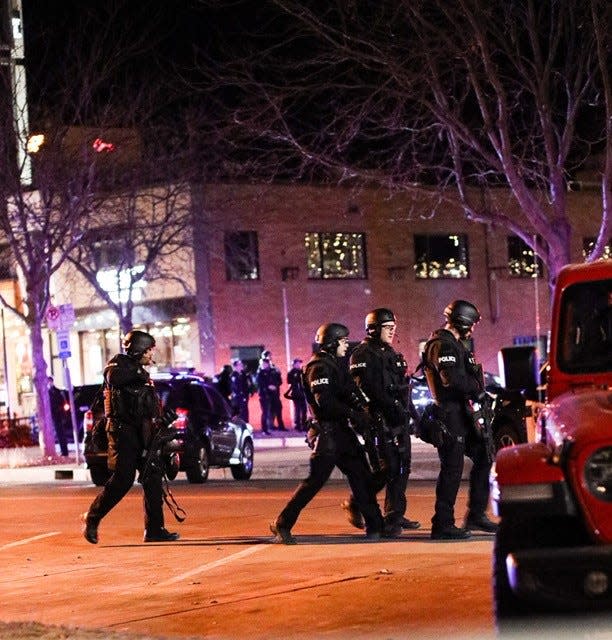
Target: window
(110, 248)
(248, 354)
(589, 243)
(441, 256)
(520, 259)
(241, 255)
(585, 335)
(336, 255)
(110, 254)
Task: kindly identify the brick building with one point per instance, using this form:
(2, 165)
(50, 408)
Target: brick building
(272, 262)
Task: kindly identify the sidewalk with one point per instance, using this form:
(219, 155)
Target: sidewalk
(283, 455)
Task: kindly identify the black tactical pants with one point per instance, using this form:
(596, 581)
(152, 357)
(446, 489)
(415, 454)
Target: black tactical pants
(392, 476)
(462, 442)
(299, 413)
(128, 460)
(276, 411)
(339, 449)
(60, 432)
(267, 419)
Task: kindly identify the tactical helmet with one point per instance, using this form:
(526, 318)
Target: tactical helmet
(137, 342)
(329, 335)
(375, 319)
(462, 315)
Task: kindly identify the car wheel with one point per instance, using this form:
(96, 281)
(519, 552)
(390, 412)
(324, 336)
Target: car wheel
(198, 466)
(506, 436)
(100, 473)
(244, 470)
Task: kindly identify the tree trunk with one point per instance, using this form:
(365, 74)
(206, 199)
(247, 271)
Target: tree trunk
(45, 420)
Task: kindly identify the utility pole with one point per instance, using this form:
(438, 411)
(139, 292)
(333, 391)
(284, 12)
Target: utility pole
(13, 80)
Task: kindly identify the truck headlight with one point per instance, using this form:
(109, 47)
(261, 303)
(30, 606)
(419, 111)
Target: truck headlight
(598, 474)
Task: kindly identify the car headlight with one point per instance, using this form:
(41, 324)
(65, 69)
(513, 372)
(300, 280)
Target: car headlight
(598, 474)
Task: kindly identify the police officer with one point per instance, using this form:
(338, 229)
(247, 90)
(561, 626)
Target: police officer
(58, 401)
(131, 406)
(268, 386)
(330, 393)
(454, 379)
(241, 388)
(297, 395)
(380, 372)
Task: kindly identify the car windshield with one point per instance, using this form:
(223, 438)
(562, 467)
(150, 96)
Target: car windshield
(585, 336)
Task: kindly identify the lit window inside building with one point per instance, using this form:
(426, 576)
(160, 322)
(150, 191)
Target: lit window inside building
(122, 285)
(521, 262)
(589, 243)
(241, 255)
(336, 255)
(441, 256)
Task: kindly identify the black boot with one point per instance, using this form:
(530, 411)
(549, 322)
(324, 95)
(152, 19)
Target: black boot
(353, 514)
(449, 533)
(90, 529)
(409, 524)
(282, 534)
(163, 535)
(480, 522)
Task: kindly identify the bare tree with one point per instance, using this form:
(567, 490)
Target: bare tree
(138, 237)
(461, 97)
(83, 80)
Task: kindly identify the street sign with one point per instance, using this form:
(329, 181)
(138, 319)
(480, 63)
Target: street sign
(53, 317)
(63, 343)
(61, 317)
(67, 317)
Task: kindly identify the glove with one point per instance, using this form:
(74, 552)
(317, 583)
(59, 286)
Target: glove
(311, 437)
(361, 422)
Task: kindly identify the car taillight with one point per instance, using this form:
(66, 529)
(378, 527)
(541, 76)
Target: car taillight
(88, 420)
(181, 421)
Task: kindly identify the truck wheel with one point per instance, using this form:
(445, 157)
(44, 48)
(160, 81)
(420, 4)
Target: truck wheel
(506, 436)
(99, 474)
(512, 614)
(512, 535)
(244, 470)
(198, 466)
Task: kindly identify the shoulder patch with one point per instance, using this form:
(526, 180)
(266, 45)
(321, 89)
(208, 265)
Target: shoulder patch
(319, 381)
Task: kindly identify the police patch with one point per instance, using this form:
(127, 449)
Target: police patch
(447, 359)
(359, 365)
(319, 381)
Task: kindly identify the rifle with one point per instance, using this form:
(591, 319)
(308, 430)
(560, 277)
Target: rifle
(162, 435)
(483, 411)
(373, 435)
(153, 461)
